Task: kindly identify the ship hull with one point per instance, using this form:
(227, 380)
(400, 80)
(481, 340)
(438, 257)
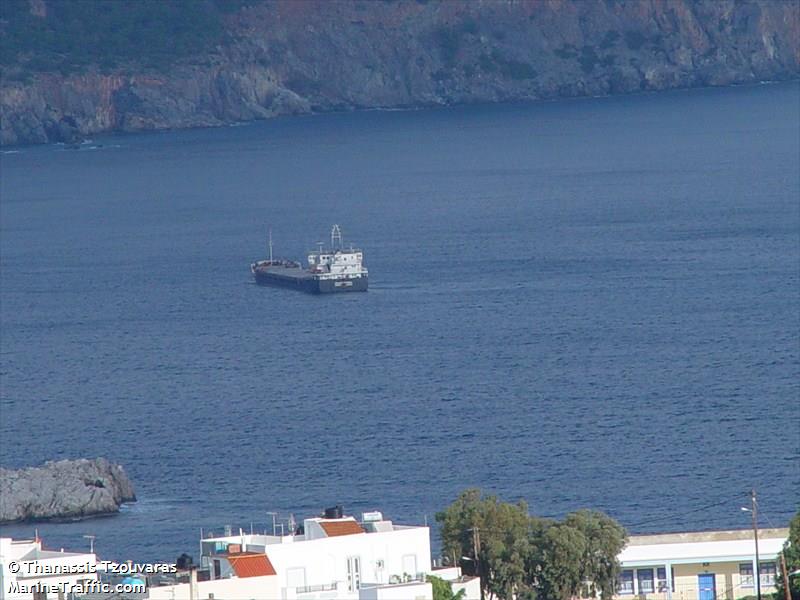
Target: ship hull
(305, 283)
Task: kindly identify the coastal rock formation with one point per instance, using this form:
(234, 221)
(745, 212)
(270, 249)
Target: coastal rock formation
(65, 489)
(284, 57)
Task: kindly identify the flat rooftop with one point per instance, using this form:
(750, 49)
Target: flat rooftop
(706, 536)
(328, 528)
(701, 546)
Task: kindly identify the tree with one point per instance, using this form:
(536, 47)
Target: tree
(443, 590)
(791, 554)
(559, 570)
(521, 556)
(492, 536)
(605, 539)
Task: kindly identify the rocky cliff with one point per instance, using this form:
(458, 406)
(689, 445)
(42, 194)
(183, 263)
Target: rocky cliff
(66, 489)
(287, 56)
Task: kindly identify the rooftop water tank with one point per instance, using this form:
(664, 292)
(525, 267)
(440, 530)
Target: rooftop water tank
(371, 516)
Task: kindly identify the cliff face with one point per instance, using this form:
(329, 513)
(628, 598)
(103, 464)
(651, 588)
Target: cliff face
(287, 57)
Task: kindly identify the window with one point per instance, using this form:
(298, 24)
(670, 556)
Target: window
(766, 572)
(353, 573)
(661, 576)
(645, 578)
(410, 565)
(746, 574)
(626, 582)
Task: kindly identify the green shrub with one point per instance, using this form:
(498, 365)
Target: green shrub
(469, 26)
(634, 39)
(609, 39)
(448, 41)
(588, 59)
(566, 52)
(77, 33)
(509, 67)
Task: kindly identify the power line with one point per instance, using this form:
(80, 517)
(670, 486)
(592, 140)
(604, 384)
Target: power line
(672, 516)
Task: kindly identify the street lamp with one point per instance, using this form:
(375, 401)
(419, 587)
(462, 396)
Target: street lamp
(472, 560)
(756, 568)
(91, 539)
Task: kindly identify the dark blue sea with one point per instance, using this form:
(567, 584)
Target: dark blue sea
(586, 303)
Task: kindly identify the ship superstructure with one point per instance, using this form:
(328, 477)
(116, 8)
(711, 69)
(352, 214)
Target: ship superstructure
(337, 269)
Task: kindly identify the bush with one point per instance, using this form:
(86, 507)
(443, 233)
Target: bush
(609, 39)
(588, 59)
(77, 33)
(448, 42)
(566, 52)
(509, 67)
(634, 39)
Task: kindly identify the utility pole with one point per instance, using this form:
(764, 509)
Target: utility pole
(786, 591)
(757, 566)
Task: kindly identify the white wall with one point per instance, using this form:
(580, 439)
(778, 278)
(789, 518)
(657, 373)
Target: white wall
(244, 588)
(471, 587)
(13, 551)
(420, 590)
(325, 560)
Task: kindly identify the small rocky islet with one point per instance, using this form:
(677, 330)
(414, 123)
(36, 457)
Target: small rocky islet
(63, 490)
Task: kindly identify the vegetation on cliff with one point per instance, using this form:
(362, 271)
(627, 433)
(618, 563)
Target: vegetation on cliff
(69, 36)
(78, 67)
(518, 555)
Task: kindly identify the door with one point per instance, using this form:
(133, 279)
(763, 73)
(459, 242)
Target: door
(410, 565)
(706, 586)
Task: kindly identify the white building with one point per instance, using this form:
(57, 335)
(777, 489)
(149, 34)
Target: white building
(28, 572)
(333, 557)
(251, 583)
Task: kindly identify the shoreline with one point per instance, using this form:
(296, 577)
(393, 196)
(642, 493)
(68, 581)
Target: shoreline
(95, 142)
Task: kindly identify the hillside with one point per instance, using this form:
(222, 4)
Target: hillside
(72, 68)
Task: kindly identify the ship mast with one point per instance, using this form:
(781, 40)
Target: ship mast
(336, 234)
(270, 245)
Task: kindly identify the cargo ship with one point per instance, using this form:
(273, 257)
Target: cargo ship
(337, 269)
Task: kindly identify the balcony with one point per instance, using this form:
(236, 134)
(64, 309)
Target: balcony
(313, 589)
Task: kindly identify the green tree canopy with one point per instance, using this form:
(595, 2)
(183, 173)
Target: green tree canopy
(791, 554)
(559, 569)
(605, 539)
(72, 35)
(519, 556)
(443, 590)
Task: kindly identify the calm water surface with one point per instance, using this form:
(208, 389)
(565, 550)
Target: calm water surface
(587, 303)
